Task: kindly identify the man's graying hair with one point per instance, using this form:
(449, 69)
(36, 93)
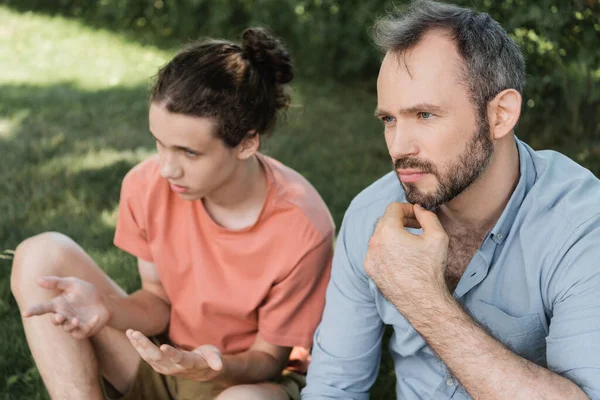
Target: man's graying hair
(493, 62)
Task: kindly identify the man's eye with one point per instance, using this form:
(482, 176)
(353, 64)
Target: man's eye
(387, 120)
(425, 115)
(190, 153)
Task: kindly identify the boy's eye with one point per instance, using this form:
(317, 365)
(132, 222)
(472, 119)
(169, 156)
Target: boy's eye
(425, 115)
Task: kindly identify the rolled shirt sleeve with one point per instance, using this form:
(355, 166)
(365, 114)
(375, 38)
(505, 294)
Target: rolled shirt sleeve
(573, 342)
(347, 343)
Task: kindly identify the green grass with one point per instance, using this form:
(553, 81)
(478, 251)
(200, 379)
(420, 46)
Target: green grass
(73, 104)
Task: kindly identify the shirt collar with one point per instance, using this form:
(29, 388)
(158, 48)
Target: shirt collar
(527, 176)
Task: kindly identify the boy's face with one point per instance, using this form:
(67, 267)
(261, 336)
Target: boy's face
(192, 158)
(437, 141)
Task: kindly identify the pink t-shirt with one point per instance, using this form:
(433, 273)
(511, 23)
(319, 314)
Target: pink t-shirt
(227, 286)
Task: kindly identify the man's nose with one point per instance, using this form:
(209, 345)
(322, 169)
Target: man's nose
(401, 142)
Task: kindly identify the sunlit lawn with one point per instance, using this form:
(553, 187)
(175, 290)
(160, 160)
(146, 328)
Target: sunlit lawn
(73, 103)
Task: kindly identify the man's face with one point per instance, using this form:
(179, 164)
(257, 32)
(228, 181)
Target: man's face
(192, 158)
(437, 141)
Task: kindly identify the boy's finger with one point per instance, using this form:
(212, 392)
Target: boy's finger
(182, 358)
(54, 282)
(212, 357)
(149, 348)
(70, 325)
(58, 319)
(39, 309)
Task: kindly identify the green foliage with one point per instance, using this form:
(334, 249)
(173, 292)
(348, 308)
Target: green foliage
(330, 40)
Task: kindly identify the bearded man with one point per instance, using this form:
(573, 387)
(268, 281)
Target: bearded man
(481, 253)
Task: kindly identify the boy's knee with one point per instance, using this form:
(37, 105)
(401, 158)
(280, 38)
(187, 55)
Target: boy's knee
(253, 392)
(236, 393)
(37, 256)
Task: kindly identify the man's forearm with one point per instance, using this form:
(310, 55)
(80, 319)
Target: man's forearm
(142, 311)
(485, 368)
(250, 367)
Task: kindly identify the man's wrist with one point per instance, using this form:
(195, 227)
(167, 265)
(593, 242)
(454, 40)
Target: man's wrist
(433, 308)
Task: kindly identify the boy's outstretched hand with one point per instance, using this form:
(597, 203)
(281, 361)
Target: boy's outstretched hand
(79, 309)
(202, 364)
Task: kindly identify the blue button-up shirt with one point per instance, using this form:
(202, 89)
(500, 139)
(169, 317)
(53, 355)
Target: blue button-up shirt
(534, 284)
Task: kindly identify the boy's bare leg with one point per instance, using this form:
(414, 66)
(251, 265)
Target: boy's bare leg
(69, 367)
(257, 391)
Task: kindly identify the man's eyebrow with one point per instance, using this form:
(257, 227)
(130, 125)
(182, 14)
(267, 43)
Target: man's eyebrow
(421, 107)
(380, 112)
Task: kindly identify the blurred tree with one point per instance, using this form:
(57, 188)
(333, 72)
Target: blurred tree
(330, 40)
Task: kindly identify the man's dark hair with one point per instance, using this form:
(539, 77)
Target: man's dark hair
(493, 61)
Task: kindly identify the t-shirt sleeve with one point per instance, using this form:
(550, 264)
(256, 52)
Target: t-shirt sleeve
(293, 307)
(131, 234)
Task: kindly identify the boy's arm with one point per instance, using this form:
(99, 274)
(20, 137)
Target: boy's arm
(146, 310)
(263, 361)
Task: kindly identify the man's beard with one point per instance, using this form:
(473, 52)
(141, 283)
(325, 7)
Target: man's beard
(458, 175)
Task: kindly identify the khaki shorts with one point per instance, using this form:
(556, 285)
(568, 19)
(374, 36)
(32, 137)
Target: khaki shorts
(150, 385)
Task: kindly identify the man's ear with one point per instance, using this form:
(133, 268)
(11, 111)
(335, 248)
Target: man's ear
(249, 146)
(503, 112)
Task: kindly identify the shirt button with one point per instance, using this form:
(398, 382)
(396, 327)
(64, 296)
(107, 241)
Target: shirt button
(499, 236)
(450, 381)
(319, 339)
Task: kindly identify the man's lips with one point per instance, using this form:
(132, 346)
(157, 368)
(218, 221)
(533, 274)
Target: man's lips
(410, 175)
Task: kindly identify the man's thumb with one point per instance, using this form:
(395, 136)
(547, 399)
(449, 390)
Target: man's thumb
(429, 221)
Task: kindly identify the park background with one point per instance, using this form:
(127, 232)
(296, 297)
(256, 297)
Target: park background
(74, 85)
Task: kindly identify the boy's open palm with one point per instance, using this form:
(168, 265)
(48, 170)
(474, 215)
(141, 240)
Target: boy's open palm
(202, 364)
(79, 308)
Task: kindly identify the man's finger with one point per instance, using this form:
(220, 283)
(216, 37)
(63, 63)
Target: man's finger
(411, 223)
(54, 282)
(39, 309)
(398, 212)
(429, 221)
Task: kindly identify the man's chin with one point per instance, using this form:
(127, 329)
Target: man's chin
(428, 202)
